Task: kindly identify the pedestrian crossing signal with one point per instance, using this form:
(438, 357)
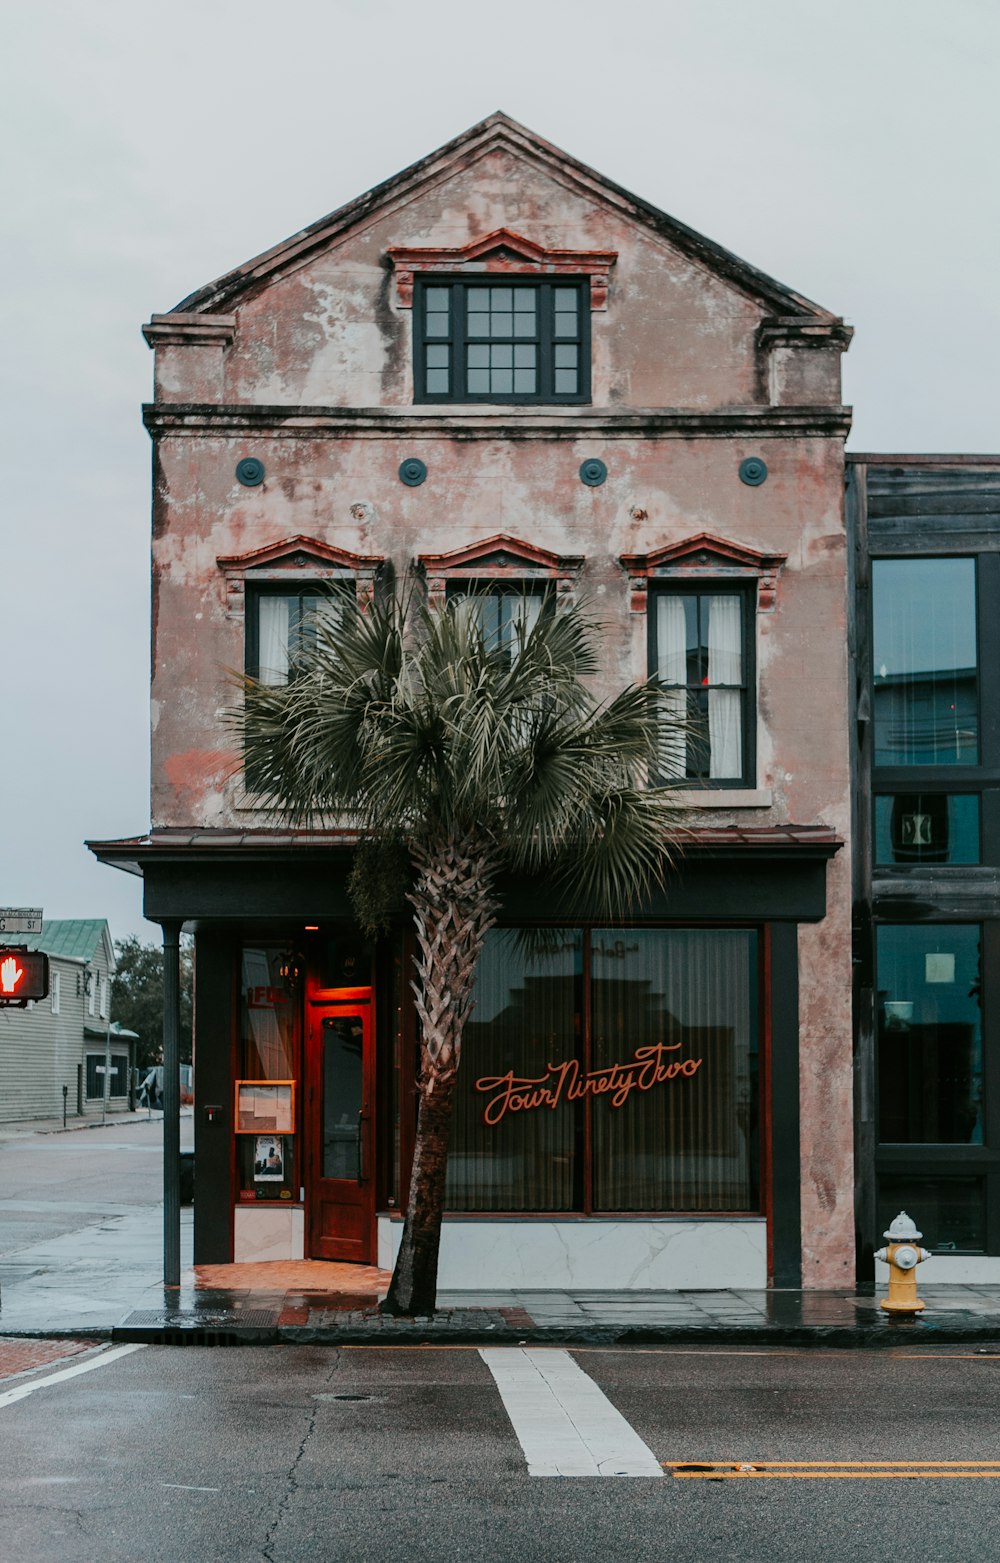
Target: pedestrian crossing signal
(24, 975)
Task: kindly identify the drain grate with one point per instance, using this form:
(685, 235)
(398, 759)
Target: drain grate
(249, 1327)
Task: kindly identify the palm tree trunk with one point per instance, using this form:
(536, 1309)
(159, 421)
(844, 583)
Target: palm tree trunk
(453, 909)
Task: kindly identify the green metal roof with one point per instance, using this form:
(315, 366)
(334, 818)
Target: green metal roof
(77, 938)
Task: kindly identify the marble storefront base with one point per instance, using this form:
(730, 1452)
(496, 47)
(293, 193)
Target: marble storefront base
(268, 1232)
(593, 1255)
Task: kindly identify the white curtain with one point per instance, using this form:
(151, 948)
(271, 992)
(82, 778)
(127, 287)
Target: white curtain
(671, 668)
(725, 666)
(272, 645)
(524, 609)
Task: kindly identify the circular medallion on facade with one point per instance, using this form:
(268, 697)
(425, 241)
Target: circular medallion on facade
(412, 472)
(753, 471)
(250, 472)
(593, 472)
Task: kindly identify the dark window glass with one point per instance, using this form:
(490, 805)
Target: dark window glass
(700, 655)
(682, 1000)
(930, 1046)
(507, 612)
(925, 662)
(950, 1212)
(485, 341)
(118, 1084)
(529, 998)
(663, 1071)
(343, 1049)
(916, 827)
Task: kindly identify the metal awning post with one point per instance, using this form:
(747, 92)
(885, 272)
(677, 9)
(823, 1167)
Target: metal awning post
(171, 1103)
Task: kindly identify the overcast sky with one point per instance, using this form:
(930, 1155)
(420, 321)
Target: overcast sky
(849, 150)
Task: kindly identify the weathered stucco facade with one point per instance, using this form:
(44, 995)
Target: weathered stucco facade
(303, 361)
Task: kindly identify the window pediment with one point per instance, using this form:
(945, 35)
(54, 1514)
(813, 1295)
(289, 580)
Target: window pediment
(703, 555)
(296, 559)
(505, 252)
(499, 558)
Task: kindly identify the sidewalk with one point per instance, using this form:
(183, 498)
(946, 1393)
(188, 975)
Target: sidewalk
(108, 1287)
(98, 1275)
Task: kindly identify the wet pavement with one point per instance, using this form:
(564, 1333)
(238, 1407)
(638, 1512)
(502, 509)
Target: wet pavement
(74, 1262)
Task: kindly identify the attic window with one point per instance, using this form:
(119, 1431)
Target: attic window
(495, 339)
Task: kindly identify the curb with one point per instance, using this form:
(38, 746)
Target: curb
(892, 1334)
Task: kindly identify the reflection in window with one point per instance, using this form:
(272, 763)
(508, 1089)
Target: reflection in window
(930, 1034)
(267, 1018)
(507, 613)
(659, 1080)
(284, 624)
(528, 1006)
(701, 663)
(951, 1212)
(343, 1082)
(927, 828)
(501, 341)
(690, 1143)
(924, 662)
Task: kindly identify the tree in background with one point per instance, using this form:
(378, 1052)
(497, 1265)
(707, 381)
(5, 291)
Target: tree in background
(137, 996)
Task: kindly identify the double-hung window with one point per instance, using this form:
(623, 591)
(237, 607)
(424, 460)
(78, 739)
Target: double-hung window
(701, 654)
(502, 341)
(281, 623)
(507, 611)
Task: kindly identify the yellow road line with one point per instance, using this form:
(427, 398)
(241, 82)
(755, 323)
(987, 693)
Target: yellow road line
(844, 1470)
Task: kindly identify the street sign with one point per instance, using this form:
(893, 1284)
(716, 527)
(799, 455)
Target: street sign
(24, 975)
(20, 919)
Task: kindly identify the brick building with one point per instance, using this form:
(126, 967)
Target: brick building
(499, 368)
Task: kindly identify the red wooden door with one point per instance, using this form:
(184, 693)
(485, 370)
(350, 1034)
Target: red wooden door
(340, 1196)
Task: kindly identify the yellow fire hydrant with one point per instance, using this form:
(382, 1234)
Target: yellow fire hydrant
(902, 1256)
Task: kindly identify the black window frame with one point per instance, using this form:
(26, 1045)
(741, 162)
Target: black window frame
(746, 591)
(315, 589)
(457, 339)
(933, 882)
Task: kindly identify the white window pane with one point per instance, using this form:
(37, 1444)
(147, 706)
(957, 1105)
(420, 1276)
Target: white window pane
(725, 640)
(725, 734)
(273, 620)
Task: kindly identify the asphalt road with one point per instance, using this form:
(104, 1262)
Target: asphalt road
(51, 1184)
(302, 1455)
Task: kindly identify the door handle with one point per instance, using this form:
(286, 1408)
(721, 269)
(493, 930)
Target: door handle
(362, 1159)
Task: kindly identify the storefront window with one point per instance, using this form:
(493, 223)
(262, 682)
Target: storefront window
(529, 992)
(930, 1044)
(950, 1212)
(925, 662)
(269, 1052)
(927, 828)
(688, 1142)
(644, 1099)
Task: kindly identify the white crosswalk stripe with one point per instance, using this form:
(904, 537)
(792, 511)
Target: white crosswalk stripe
(11, 1396)
(564, 1423)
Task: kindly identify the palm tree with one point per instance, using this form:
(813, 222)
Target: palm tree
(470, 758)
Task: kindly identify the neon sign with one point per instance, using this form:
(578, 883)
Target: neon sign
(649, 1066)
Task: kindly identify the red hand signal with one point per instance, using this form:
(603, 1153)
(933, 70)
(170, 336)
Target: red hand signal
(10, 975)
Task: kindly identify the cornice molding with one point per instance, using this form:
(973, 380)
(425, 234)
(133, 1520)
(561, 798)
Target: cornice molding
(190, 330)
(167, 420)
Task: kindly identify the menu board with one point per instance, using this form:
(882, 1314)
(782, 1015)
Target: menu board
(265, 1106)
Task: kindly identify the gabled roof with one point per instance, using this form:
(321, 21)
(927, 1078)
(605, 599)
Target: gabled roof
(497, 131)
(74, 939)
